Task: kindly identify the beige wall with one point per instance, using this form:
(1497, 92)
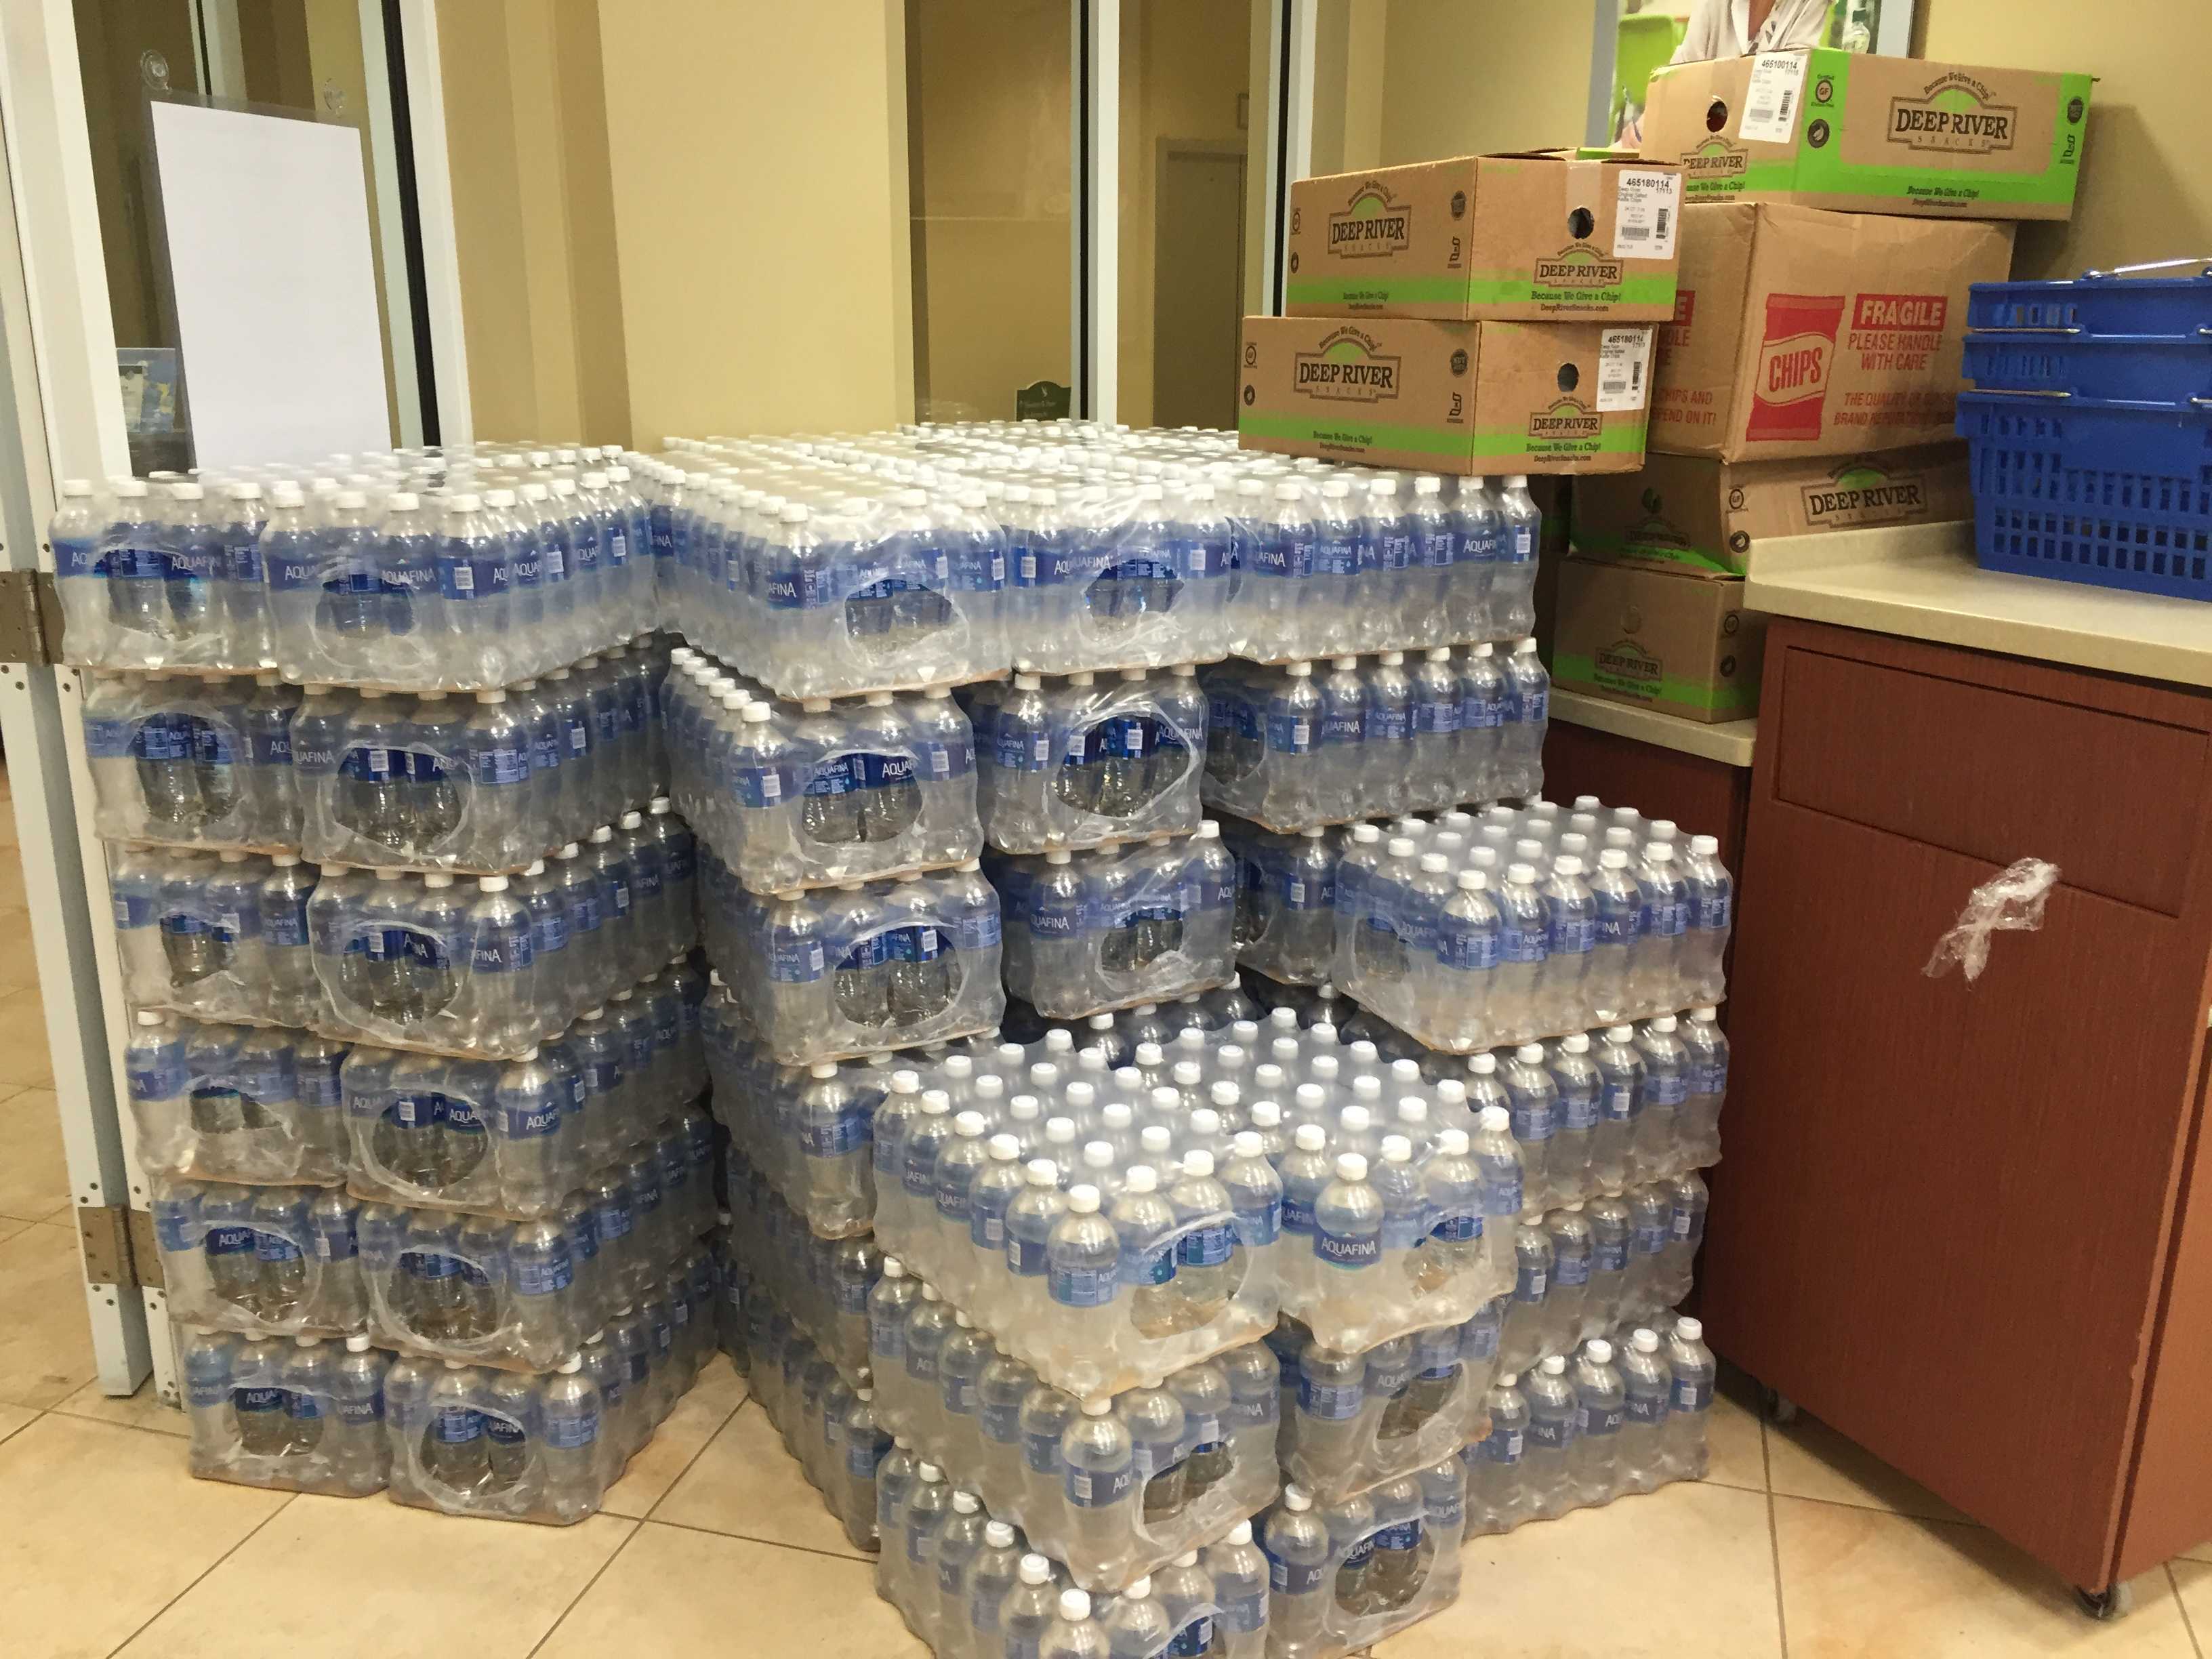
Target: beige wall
(533, 209)
(1184, 65)
(987, 84)
(762, 246)
(654, 239)
(1348, 87)
(2145, 185)
(1465, 76)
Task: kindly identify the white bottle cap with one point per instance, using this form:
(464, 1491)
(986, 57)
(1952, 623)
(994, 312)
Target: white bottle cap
(1309, 1138)
(1529, 1053)
(1495, 1118)
(1034, 1569)
(930, 1471)
(1644, 1340)
(1568, 865)
(1075, 1605)
(1620, 1034)
(1396, 1149)
(1435, 864)
(1295, 1500)
(1664, 1023)
(1690, 1330)
(1350, 1166)
(966, 1502)
(1042, 1172)
(1576, 1043)
(1554, 1364)
(1598, 1350)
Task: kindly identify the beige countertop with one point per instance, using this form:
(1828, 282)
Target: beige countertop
(1729, 742)
(1922, 582)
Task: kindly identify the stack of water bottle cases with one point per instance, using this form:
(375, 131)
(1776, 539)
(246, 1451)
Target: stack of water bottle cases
(1050, 1293)
(404, 921)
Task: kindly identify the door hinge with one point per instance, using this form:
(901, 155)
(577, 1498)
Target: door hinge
(30, 618)
(145, 1258)
(104, 1232)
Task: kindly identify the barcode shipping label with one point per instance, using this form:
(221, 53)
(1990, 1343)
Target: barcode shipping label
(1647, 206)
(1624, 369)
(1770, 102)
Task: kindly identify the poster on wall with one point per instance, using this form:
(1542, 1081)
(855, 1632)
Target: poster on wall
(267, 220)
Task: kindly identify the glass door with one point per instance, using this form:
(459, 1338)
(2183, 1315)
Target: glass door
(325, 60)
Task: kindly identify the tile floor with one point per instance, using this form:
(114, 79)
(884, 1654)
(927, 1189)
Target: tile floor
(1800, 1544)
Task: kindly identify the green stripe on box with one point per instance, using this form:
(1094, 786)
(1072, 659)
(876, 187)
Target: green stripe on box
(1418, 439)
(1572, 671)
(1623, 438)
(1483, 288)
(1616, 547)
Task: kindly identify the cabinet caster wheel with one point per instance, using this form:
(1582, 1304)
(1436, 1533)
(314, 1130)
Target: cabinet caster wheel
(1779, 1408)
(2105, 1605)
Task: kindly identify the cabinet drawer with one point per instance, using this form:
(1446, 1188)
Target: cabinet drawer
(2110, 795)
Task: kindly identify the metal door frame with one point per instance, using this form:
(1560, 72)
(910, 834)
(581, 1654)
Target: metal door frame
(60, 417)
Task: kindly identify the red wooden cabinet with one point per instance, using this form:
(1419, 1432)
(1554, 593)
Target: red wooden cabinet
(1957, 1221)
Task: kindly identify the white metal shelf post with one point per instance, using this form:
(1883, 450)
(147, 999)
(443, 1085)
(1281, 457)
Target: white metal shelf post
(63, 416)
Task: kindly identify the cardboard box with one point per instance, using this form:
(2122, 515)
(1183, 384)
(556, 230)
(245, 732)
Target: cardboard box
(1871, 135)
(1694, 514)
(1464, 397)
(1802, 332)
(1527, 238)
(1680, 644)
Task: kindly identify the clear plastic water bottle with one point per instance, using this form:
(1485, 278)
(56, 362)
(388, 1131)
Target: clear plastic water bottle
(1694, 1371)
(1648, 1389)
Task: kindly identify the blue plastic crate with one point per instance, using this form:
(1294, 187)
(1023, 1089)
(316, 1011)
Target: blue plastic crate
(2111, 494)
(2101, 302)
(2112, 365)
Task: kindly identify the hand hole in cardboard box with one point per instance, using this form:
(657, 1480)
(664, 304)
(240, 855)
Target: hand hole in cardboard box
(1570, 377)
(1717, 116)
(1580, 222)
